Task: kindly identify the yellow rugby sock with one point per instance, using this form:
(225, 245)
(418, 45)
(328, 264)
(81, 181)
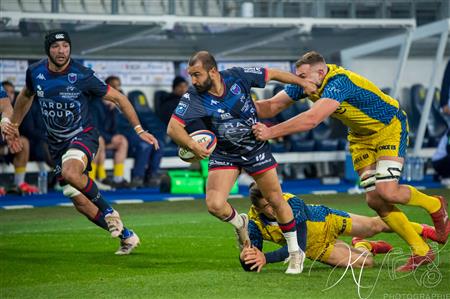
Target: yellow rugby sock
(399, 223)
(429, 203)
(101, 172)
(363, 244)
(417, 227)
(19, 170)
(19, 175)
(119, 170)
(93, 172)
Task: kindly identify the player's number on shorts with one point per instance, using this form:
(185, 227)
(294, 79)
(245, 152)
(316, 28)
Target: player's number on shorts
(260, 157)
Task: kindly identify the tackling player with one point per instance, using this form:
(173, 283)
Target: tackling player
(223, 101)
(319, 228)
(378, 138)
(64, 88)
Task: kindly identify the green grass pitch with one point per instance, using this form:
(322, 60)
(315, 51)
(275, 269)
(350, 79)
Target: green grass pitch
(185, 253)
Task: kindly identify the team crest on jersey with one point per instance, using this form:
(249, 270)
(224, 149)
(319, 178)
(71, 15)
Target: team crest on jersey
(41, 76)
(235, 89)
(181, 109)
(72, 77)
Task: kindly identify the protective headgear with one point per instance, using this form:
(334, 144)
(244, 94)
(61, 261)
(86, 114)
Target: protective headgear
(55, 36)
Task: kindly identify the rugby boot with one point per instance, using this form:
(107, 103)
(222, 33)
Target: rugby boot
(295, 260)
(440, 220)
(127, 245)
(242, 232)
(429, 233)
(377, 246)
(415, 261)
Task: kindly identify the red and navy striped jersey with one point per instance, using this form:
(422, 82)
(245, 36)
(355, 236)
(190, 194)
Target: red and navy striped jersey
(230, 116)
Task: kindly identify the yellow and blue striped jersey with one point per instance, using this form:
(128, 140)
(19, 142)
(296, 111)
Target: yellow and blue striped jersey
(364, 108)
(261, 228)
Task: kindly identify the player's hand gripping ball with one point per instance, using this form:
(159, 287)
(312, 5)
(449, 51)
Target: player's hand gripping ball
(202, 136)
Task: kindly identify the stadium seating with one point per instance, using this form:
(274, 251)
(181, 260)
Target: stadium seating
(146, 114)
(158, 98)
(152, 122)
(436, 124)
(298, 141)
(322, 134)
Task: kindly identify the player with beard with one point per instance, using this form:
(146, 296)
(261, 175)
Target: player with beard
(223, 101)
(64, 88)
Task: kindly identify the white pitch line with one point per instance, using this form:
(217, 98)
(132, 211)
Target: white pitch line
(324, 192)
(236, 196)
(127, 201)
(16, 207)
(66, 204)
(179, 198)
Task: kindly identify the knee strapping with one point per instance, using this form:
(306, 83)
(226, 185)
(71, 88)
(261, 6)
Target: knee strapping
(368, 179)
(74, 154)
(70, 191)
(388, 170)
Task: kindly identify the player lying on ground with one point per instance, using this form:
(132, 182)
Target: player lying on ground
(318, 228)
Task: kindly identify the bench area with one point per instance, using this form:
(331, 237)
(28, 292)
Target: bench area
(175, 162)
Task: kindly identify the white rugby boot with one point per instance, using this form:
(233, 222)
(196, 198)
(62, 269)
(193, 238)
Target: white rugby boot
(242, 236)
(295, 260)
(127, 245)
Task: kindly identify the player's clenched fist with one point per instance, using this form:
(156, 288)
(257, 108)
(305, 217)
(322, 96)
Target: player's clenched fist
(261, 131)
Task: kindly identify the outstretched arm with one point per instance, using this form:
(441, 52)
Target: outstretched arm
(286, 77)
(125, 106)
(305, 121)
(253, 259)
(271, 107)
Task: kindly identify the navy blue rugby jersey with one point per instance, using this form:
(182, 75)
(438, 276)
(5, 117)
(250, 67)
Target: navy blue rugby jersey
(3, 93)
(230, 116)
(64, 97)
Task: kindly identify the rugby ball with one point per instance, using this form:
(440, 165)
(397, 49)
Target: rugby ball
(201, 136)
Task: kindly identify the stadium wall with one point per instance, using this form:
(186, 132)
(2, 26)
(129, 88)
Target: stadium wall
(417, 71)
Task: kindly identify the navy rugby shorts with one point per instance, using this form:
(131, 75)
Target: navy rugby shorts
(255, 162)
